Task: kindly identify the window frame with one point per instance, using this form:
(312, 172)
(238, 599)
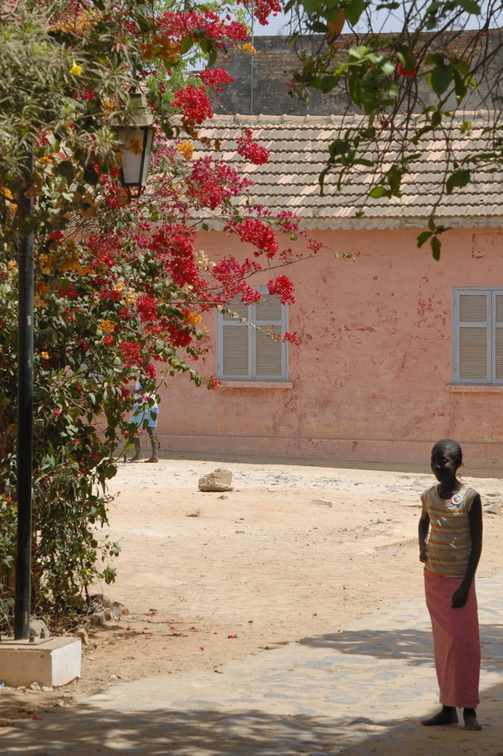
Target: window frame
(490, 326)
(252, 320)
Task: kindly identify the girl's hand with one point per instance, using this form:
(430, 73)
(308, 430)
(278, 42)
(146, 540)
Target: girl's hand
(459, 597)
(423, 554)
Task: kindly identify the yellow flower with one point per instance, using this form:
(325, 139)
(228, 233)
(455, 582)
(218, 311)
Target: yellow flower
(203, 260)
(130, 296)
(248, 48)
(76, 70)
(185, 148)
(12, 265)
(107, 326)
(44, 355)
(193, 318)
(39, 302)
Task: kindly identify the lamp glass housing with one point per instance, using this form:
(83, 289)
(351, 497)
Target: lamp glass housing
(137, 141)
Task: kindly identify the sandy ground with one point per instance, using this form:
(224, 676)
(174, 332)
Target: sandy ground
(292, 551)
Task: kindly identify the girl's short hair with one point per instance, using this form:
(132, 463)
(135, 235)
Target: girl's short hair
(449, 446)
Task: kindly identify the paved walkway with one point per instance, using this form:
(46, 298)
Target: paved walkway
(360, 689)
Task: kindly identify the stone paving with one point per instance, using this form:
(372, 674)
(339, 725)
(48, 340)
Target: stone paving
(360, 689)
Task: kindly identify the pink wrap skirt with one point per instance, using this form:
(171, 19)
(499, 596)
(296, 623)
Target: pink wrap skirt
(456, 641)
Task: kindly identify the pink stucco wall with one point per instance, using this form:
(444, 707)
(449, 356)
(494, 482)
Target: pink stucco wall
(371, 380)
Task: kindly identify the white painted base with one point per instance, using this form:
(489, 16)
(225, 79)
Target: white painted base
(51, 661)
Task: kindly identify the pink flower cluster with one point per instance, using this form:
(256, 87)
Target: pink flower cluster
(250, 150)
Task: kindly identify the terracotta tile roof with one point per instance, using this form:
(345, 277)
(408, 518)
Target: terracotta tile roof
(298, 148)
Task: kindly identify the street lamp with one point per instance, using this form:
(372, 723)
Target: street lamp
(137, 138)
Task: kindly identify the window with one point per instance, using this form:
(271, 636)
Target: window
(478, 336)
(244, 350)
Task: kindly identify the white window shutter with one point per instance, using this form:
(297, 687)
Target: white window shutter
(472, 336)
(473, 353)
(268, 354)
(245, 351)
(235, 350)
(478, 336)
(268, 310)
(498, 338)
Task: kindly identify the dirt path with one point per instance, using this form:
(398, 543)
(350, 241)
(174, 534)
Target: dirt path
(292, 551)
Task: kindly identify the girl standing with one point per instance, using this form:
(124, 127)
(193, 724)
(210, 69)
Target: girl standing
(452, 517)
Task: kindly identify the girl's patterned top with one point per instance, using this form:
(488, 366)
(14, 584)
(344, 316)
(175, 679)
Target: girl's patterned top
(449, 542)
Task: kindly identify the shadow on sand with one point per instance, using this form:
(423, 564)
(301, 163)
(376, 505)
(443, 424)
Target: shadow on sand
(87, 731)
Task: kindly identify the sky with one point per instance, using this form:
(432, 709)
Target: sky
(279, 24)
(273, 27)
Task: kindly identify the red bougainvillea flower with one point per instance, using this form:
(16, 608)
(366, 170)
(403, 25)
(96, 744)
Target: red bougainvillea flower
(131, 351)
(262, 9)
(291, 337)
(216, 78)
(250, 150)
(283, 287)
(259, 234)
(404, 72)
(211, 182)
(208, 23)
(194, 104)
(146, 307)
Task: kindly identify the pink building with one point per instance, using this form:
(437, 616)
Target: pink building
(397, 350)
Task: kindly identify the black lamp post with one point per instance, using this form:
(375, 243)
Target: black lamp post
(137, 139)
(24, 418)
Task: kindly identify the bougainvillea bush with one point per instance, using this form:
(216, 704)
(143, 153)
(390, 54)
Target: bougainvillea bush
(121, 286)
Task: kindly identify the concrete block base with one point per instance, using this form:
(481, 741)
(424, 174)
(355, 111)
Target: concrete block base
(48, 661)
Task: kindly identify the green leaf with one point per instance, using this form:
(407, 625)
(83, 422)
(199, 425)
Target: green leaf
(186, 44)
(457, 179)
(436, 246)
(90, 175)
(213, 58)
(440, 78)
(435, 59)
(328, 83)
(379, 191)
(459, 85)
(312, 6)
(470, 6)
(354, 10)
(318, 27)
(66, 169)
(423, 238)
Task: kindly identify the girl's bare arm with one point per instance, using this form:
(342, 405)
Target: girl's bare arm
(460, 596)
(424, 526)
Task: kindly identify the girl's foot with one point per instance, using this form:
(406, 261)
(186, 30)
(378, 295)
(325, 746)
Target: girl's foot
(470, 719)
(447, 716)
(136, 458)
(152, 459)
